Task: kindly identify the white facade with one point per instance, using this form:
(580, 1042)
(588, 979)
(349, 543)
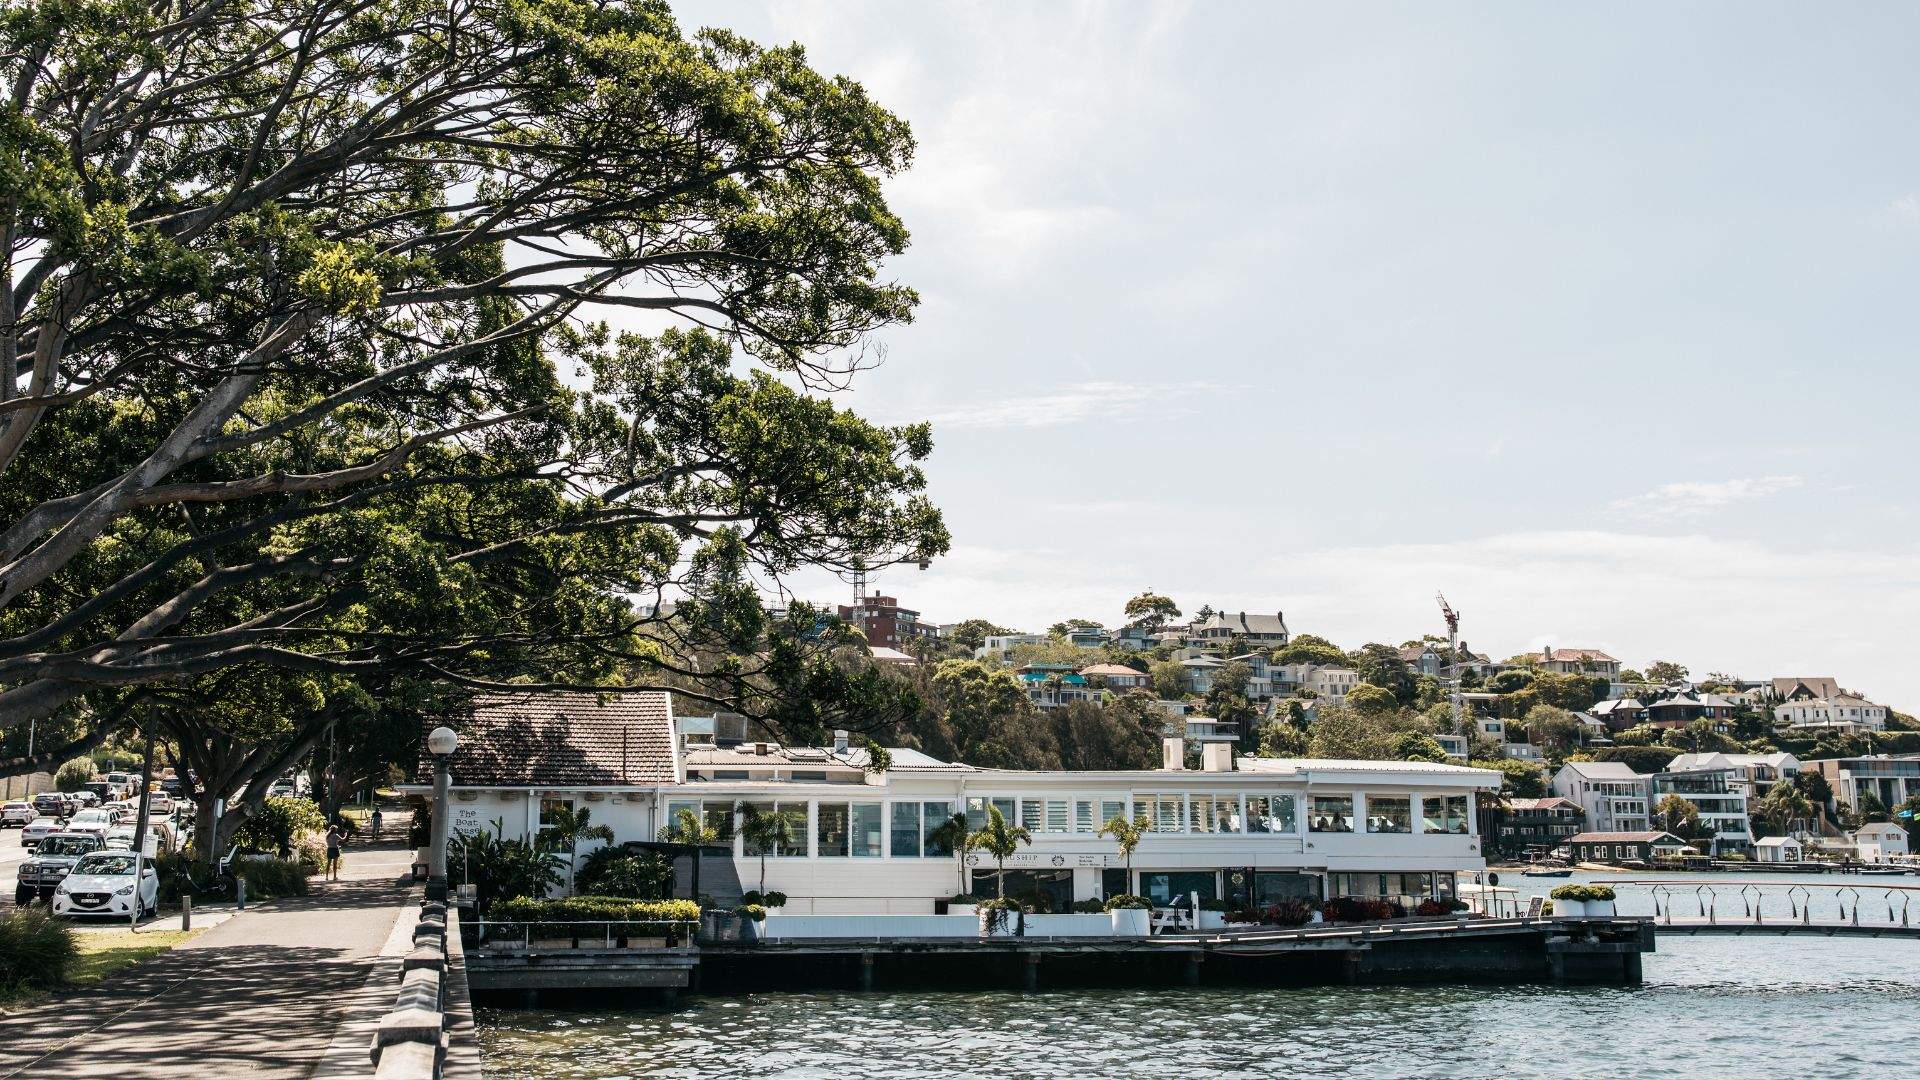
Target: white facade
(1880, 841)
(1777, 849)
(1613, 796)
(1289, 826)
(1000, 646)
(1332, 683)
(1843, 712)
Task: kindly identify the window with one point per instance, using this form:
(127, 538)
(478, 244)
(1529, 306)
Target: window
(1085, 813)
(1169, 889)
(1200, 814)
(794, 843)
(833, 830)
(1110, 809)
(718, 818)
(1005, 806)
(1163, 811)
(905, 843)
(550, 807)
(864, 835)
(1057, 819)
(1331, 813)
(933, 816)
(1389, 814)
(1031, 815)
(1453, 814)
(1226, 814)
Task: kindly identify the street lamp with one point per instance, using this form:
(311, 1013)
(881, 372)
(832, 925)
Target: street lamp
(441, 743)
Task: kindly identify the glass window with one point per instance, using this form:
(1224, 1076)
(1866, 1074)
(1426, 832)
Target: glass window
(1110, 809)
(1258, 819)
(1200, 814)
(1113, 881)
(1169, 889)
(833, 830)
(1226, 814)
(1005, 806)
(1271, 887)
(1331, 813)
(934, 815)
(864, 836)
(1084, 811)
(1389, 814)
(976, 813)
(749, 847)
(905, 842)
(718, 817)
(1165, 812)
(1030, 815)
(1057, 815)
(795, 843)
(1453, 816)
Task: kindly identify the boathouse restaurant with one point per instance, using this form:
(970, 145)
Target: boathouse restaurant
(1248, 831)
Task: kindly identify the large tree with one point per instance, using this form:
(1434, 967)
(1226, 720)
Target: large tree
(304, 366)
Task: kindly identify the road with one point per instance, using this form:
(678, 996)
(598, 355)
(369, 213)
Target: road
(260, 996)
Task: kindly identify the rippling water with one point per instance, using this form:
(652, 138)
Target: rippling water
(1711, 1006)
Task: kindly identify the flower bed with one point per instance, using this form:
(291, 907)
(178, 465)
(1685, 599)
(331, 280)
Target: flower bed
(589, 917)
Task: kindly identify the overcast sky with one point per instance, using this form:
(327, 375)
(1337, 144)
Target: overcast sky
(1601, 319)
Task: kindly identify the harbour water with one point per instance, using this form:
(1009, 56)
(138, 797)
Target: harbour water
(1810, 1007)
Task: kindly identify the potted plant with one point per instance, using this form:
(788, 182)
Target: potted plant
(1582, 901)
(963, 904)
(746, 921)
(1001, 917)
(1130, 914)
(1213, 914)
(1600, 901)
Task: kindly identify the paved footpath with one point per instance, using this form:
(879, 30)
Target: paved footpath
(262, 996)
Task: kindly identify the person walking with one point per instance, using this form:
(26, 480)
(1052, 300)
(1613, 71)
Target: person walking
(378, 818)
(334, 838)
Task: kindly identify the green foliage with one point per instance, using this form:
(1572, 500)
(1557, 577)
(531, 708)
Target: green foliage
(589, 916)
(1641, 759)
(278, 822)
(267, 878)
(1310, 649)
(1510, 680)
(750, 911)
(1518, 779)
(1666, 672)
(973, 633)
(1552, 729)
(1128, 902)
(1419, 746)
(1677, 815)
(1169, 679)
(1283, 740)
(1343, 732)
(1151, 611)
(1381, 666)
(37, 951)
(1127, 834)
(1583, 893)
(1000, 840)
(1372, 700)
(501, 869)
(613, 871)
(73, 775)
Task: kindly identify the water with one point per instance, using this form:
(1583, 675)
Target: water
(1710, 1006)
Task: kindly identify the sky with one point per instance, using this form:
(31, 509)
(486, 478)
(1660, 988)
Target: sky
(1599, 319)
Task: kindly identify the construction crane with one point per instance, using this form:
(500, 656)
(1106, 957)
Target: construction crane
(1453, 662)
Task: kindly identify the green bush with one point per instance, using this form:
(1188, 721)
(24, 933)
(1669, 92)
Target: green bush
(751, 911)
(557, 918)
(311, 852)
(74, 775)
(774, 898)
(1582, 893)
(36, 951)
(267, 878)
(612, 871)
(501, 869)
(1089, 907)
(1129, 901)
(277, 823)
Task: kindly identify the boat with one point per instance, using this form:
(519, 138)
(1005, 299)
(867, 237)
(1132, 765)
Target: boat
(1543, 871)
(1880, 871)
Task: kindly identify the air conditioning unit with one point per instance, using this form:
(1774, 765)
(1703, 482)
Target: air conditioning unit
(594, 796)
(466, 796)
(509, 796)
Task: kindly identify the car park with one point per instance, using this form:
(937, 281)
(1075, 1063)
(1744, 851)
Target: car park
(57, 853)
(16, 813)
(102, 883)
(37, 830)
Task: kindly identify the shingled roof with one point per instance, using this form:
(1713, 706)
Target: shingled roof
(562, 738)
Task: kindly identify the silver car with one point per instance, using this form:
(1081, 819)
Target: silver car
(16, 813)
(37, 830)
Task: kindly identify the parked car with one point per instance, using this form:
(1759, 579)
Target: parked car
(51, 860)
(159, 838)
(105, 790)
(51, 804)
(96, 821)
(16, 813)
(86, 798)
(37, 830)
(102, 883)
(160, 805)
(282, 788)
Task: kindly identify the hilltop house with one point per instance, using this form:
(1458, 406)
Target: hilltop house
(1050, 686)
(1116, 677)
(1890, 778)
(1538, 825)
(1753, 775)
(1611, 795)
(1846, 713)
(1715, 793)
(1591, 662)
(1678, 708)
(1255, 629)
(1249, 832)
(999, 647)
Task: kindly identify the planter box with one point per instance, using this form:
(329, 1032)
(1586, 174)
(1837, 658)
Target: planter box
(1570, 909)
(1009, 926)
(1599, 909)
(1131, 922)
(963, 909)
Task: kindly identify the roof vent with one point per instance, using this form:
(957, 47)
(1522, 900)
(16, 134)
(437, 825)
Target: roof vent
(761, 748)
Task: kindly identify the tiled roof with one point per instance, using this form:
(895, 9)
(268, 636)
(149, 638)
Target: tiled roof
(1549, 803)
(1622, 837)
(1112, 671)
(1576, 654)
(561, 738)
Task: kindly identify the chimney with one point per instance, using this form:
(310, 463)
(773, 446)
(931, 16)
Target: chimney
(1173, 752)
(1216, 757)
(839, 740)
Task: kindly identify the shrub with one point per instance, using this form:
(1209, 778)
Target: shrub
(1128, 901)
(1440, 907)
(277, 823)
(74, 775)
(631, 918)
(774, 898)
(613, 871)
(267, 878)
(998, 913)
(1582, 893)
(311, 853)
(36, 950)
(750, 911)
(1089, 907)
(1287, 913)
(1546, 908)
(1357, 909)
(500, 869)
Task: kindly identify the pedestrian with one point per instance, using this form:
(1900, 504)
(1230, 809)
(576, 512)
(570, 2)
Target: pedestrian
(377, 819)
(334, 839)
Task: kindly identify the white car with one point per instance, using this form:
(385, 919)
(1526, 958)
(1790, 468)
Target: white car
(96, 821)
(101, 883)
(37, 830)
(159, 838)
(16, 813)
(160, 805)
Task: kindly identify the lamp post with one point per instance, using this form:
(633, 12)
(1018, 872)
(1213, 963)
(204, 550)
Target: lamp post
(441, 743)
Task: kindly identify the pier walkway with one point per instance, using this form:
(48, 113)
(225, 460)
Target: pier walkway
(260, 996)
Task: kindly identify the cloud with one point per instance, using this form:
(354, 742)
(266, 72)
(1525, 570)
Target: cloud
(1075, 403)
(1906, 207)
(1692, 498)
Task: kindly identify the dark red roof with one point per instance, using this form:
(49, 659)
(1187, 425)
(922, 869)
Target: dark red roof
(560, 738)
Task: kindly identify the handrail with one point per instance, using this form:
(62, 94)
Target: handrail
(688, 928)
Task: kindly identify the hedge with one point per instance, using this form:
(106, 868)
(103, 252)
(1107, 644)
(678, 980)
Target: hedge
(586, 916)
(1582, 893)
(1128, 902)
(36, 950)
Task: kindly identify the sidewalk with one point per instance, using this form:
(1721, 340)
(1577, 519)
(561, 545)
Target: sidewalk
(259, 996)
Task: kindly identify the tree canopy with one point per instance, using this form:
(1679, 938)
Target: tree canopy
(1151, 611)
(306, 362)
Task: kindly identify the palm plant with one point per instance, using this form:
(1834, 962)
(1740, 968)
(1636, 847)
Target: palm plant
(952, 835)
(687, 828)
(565, 829)
(499, 868)
(1126, 835)
(766, 830)
(1000, 840)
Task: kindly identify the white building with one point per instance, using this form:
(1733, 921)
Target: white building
(1332, 683)
(1256, 832)
(1777, 849)
(1753, 775)
(1844, 713)
(1613, 796)
(1000, 646)
(1254, 629)
(1880, 841)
